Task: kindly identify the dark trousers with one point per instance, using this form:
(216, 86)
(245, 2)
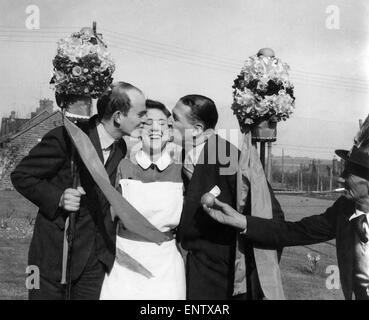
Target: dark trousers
(86, 287)
(207, 281)
(361, 292)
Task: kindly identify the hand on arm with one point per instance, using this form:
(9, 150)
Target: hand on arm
(225, 214)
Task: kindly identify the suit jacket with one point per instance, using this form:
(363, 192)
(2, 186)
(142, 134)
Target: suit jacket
(333, 223)
(42, 177)
(211, 243)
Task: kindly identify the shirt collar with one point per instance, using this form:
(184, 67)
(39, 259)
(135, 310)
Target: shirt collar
(106, 140)
(76, 116)
(204, 137)
(145, 162)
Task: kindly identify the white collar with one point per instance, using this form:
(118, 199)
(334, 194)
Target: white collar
(203, 138)
(76, 116)
(106, 140)
(145, 162)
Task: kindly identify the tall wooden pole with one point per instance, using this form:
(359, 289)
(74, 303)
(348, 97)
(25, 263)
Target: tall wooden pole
(282, 166)
(262, 153)
(269, 163)
(298, 179)
(317, 172)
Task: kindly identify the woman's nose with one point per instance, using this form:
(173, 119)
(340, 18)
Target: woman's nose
(156, 126)
(341, 180)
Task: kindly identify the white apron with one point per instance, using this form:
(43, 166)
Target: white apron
(161, 203)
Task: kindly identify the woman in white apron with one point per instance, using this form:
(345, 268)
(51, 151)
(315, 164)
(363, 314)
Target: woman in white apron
(151, 181)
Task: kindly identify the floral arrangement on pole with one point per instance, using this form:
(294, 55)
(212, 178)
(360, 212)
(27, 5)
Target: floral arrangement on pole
(263, 92)
(83, 68)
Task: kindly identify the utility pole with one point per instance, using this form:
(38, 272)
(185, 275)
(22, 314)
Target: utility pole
(282, 166)
(262, 154)
(269, 163)
(302, 186)
(317, 173)
(298, 179)
(330, 178)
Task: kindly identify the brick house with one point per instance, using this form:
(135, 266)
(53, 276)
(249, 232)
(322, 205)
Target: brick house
(19, 144)
(10, 125)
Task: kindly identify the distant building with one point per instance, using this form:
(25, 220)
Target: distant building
(11, 124)
(17, 144)
(45, 104)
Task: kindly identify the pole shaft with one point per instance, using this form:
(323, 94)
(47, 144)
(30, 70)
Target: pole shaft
(282, 167)
(71, 228)
(269, 163)
(262, 153)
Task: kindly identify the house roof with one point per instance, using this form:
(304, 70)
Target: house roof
(35, 123)
(11, 125)
(37, 117)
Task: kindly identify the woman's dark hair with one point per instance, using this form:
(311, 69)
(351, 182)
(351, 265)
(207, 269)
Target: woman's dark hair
(152, 104)
(203, 109)
(115, 98)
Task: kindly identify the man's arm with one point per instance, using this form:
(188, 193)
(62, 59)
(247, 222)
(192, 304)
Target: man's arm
(276, 234)
(309, 230)
(32, 175)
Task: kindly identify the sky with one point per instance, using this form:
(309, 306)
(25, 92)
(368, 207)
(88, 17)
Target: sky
(170, 48)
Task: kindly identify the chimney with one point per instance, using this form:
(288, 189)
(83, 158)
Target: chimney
(45, 104)
(12, 115)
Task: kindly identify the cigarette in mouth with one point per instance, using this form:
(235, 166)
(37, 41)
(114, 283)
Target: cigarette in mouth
(339, 190)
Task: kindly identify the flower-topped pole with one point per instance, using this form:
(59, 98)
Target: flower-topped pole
(83, 70)
(262, 96)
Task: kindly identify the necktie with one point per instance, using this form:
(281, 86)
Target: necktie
(113, 148)
(190, 159)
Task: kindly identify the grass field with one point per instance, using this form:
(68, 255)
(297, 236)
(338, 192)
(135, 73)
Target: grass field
(298, 280)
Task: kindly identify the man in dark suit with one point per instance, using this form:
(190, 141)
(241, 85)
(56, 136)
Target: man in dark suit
(209, 161)
(44, 177)
(346, 221)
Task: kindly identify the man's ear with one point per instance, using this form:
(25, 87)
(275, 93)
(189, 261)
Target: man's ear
(198, 128)
(117, 118)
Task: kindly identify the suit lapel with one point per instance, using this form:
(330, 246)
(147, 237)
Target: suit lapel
(345, 248)
(113, 162)
(119, 153)
(198, 184)
(94, 137)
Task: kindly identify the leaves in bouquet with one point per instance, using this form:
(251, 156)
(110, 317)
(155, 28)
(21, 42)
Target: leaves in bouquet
(86, 68)
(266, 80)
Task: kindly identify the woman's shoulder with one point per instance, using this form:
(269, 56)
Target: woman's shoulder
(126, 168)
(173, 173)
